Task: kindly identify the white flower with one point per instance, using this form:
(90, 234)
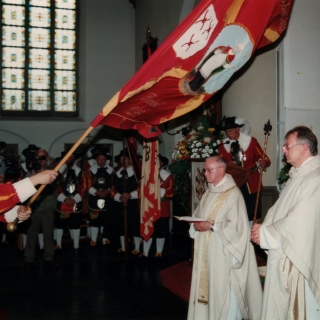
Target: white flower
(204, 150)
(199, 144)
(194, 150)
(193, 138)
(218, 141)
(206, 139)
(214, 144)
(210, 151)
(200, 128)
(192, 132)
(206, 155)
(207, 147)
(216, 151)
(197, 156)
(192, 146)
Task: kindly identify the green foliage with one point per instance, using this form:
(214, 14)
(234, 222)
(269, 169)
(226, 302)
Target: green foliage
(183, 187)
(284, 173)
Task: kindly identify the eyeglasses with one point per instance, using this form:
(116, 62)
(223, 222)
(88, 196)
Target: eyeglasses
(285, 146)
(204, 170)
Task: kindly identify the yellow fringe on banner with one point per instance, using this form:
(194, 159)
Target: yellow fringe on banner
(271, 35)
(232, 12)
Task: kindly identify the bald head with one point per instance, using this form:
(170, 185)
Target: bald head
(215, 169)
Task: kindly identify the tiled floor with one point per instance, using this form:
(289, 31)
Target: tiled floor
(93, 284)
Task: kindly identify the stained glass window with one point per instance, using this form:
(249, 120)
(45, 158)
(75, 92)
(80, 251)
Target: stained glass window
(39, 58)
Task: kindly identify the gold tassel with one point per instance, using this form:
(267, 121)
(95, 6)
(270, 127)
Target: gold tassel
(271, 35)
(232, 12)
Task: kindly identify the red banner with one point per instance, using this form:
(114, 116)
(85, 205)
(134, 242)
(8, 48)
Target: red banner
(194, 62)
(150, 188)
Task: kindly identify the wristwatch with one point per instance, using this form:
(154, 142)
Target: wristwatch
(212, 227)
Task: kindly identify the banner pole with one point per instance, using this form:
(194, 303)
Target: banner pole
(125, 208)
(267, 129)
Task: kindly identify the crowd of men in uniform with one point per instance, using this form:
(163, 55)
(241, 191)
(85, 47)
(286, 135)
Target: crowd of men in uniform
(87, 199)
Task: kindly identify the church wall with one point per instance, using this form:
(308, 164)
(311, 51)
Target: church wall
(301, 71)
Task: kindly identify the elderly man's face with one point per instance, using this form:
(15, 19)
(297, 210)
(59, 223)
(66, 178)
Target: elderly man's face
(293, 150)
(233, 134)
(213, 171)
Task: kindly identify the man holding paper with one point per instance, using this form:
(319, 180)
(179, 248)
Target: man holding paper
(225, 280)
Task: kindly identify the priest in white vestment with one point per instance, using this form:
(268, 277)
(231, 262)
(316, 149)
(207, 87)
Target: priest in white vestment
(291, 233)
(225, 280)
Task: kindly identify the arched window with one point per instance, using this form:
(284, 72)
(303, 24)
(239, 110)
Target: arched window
(39, 77)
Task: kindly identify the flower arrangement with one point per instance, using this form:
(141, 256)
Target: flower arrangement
(200, 141)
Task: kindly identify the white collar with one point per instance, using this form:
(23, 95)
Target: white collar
(129, 172)
(64, 169)
(304, 163)
(95, 168)
(223, 180)
(164, 174)
(244, 141)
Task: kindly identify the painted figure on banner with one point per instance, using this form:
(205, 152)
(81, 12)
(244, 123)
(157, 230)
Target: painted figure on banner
(217, 61)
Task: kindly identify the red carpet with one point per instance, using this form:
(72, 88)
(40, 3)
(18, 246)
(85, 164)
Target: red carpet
(178, 279)
(3, 314)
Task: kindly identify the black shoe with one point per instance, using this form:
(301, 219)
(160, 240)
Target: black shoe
(76, 250)
(121, 253)
(52, 263)
(28, 266)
